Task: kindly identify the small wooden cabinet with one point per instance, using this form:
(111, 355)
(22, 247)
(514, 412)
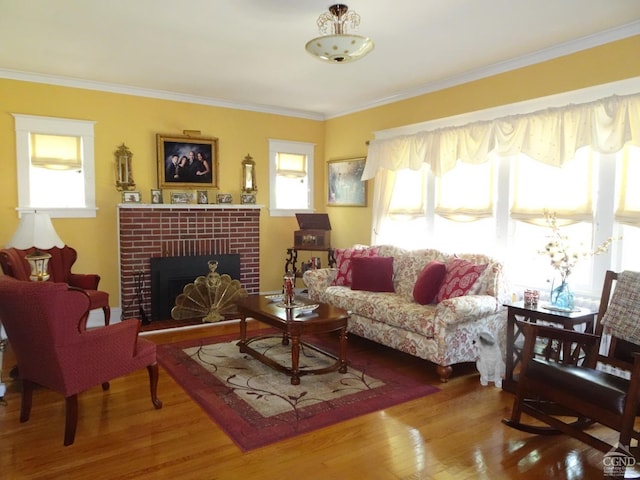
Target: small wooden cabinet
(314, 233)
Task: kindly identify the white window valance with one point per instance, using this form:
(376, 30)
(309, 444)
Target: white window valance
(551, 136)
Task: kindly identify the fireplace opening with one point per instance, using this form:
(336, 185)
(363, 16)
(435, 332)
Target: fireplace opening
(169, 275)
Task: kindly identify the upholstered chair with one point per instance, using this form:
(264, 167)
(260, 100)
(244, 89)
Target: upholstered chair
(62, 259)
(44, 322)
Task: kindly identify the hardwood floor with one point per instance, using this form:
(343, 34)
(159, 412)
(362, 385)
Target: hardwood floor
(455, 433)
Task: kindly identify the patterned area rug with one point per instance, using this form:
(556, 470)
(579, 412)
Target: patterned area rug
(257, 405)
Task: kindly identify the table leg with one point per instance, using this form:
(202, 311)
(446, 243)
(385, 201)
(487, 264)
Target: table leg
(343, 351)
(243, 333)
(295, 360)
(511, 325)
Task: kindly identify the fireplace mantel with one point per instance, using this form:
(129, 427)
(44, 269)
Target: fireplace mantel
(189, 206)
(167, 230)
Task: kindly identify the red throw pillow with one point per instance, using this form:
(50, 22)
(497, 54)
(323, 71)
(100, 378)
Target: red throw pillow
(373, 274)
(429, 282)
(343, 258)
(460, 277)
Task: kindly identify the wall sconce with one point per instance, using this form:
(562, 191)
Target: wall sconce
(124, 179)
(249, 175)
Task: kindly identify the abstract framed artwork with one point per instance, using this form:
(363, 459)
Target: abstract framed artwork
(187, 162)
(345, 187)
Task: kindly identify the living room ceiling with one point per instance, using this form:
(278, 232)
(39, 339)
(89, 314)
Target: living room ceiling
(250, 53)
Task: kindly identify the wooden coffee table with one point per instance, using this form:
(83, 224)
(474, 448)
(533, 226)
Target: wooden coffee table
(293, 325)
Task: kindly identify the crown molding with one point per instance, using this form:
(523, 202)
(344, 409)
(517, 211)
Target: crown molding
(539, 56)
(566, 48)
(150, 93)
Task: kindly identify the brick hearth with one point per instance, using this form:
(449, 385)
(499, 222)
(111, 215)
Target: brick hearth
(147, 231)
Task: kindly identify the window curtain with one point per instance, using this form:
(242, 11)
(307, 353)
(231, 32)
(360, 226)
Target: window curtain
(465, 193)
(291, 165)
(382, 194)
(628, 211)
(400, 195)
(551, 136)
(532, 177)
(56, 152)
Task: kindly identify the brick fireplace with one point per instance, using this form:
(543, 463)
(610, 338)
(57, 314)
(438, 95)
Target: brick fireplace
(150, 231)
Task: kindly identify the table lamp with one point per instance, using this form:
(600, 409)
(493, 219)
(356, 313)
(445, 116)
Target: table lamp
(36, 230)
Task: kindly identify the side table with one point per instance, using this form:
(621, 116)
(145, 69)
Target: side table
(292, 258)
(517, 311)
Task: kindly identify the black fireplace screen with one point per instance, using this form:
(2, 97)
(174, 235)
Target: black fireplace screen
(169, 275)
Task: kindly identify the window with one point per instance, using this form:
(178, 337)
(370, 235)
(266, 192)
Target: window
(290, 177)
(568, 190)
(465, 193)
(516, 232)
(403, 222)
(55, 163)
(593, 191)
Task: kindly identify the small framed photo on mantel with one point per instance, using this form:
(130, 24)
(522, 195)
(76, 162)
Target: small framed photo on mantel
(180, 197)
(156, 196)
(203, 197)
(131, 197)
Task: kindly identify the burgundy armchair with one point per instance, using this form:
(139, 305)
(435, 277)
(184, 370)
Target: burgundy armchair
(62, 259)
(44, 322)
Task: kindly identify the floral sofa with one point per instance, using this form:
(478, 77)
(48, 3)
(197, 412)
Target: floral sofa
(396, 300)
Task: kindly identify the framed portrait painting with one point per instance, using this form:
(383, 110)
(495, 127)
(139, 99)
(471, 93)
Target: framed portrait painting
(187, 162)
(345, 187)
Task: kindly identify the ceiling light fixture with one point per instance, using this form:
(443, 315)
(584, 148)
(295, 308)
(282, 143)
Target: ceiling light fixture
(335, 45)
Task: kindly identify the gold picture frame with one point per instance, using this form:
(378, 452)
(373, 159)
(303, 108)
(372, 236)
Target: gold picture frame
(345, 189)
(156, 196)
(203, 197)
(131, 197)
(187, 162)
(181, 197)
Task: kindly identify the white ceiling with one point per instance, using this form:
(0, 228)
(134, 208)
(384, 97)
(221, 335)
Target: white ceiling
(250, 53)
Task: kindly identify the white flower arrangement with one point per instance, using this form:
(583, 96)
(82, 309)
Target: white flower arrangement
(564, 255)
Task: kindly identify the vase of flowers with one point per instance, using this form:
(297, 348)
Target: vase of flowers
(564, 256)
(561, 296)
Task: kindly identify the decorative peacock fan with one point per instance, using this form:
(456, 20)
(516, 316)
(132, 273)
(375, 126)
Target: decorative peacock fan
(208, 297)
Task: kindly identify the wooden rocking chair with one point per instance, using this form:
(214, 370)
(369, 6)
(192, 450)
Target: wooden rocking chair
(560, 385)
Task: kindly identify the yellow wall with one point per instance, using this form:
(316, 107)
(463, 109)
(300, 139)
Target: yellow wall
(346, 135)
(136, 120)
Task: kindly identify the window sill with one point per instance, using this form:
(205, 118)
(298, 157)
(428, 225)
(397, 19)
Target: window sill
(81, 212)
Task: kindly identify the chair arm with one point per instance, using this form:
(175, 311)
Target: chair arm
(86, 281)
(318, 280)
(98, 355)
(466, 308)
(557, 333)
(560, 340)
(118, 339)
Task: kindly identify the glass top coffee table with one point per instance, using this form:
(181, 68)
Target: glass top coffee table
(294, 323)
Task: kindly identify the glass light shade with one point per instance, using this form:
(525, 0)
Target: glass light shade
(339, 48)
